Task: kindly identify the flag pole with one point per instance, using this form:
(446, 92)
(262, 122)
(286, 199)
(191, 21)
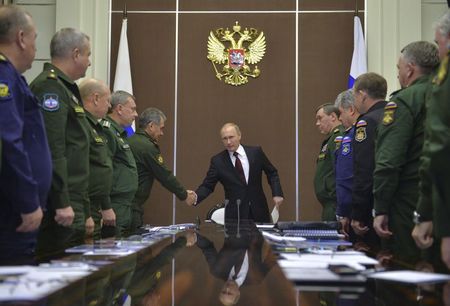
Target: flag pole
(356, 8)
(125, 12)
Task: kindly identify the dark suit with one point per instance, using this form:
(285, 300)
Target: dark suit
(253, 201)
(233, 251)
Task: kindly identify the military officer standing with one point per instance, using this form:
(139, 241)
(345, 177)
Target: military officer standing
(96, 98)
(150, 164)
(369, 92)
(344, 159)
(125, 177)
(324, 180)
(25, 175)
(67, 129)
(433, 208)
(398, 148)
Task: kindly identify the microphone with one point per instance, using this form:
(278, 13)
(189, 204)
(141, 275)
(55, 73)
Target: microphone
(224, 218)
(238, 203)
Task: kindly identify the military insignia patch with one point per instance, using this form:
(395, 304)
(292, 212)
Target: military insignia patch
(361, 123)
(389, 111)
(4, 91)
(51, 102)
(2, 58)
(337, 142)
(360, 134)
(346, 148)
(160, 159)
(346, 145)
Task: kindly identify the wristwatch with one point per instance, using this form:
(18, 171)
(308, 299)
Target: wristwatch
(417, 218)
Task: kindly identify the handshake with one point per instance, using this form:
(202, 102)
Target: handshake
(191, 199)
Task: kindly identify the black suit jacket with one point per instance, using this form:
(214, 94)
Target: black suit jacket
(233, 251)
(253, 201)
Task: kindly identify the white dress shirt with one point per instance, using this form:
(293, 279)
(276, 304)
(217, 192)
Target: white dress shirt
(242, 274)
(243, 158)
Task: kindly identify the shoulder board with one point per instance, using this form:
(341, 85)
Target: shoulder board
(336, 130)
(338, 139)
(2, 58)
(394, 93)
(442, 71)
(51, 74)
(391, 105)
(361, 123)
(106, 123)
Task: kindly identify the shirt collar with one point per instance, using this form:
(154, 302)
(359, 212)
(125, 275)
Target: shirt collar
(240, 151)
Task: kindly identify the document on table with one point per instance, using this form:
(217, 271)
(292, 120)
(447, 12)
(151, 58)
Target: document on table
(411, 277)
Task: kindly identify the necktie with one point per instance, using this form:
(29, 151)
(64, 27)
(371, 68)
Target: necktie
(239, 169)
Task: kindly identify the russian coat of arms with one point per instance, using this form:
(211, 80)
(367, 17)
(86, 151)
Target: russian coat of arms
(244, 49)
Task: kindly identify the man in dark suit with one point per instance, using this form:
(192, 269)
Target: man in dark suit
(239, 169)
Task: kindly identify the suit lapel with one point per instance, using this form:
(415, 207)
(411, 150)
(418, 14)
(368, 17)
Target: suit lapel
(251, 159)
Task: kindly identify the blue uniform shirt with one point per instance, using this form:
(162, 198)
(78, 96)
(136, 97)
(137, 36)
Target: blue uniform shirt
(26, 170)
(344, 174)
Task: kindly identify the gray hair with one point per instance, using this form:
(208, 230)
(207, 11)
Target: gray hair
(120, 97)
(65, 41)
(345, 99)
(150, 115)
(232, 124)
(423, 54)
(12, 19)
(443, 24)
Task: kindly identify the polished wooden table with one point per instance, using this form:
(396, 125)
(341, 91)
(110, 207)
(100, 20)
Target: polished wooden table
(172, 273)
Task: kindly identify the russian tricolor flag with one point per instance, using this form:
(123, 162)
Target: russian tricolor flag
(122, 79)
(359, 59)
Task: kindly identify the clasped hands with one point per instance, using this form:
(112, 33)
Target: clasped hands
(191, 199)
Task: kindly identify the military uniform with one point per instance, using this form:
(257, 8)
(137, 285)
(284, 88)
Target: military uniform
(324, 179)
(68, 136)
(344, 173)
(363, 145)
(26, 171)
(125, 177)
(435, 168)
(397, 154)
(100, 172)
(150, 165)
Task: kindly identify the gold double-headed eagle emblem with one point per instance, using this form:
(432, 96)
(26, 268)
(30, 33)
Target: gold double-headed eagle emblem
(237, 58)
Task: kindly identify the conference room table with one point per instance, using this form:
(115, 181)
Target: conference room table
(174, 272)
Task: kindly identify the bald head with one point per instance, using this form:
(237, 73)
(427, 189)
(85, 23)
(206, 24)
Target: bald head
(96, 97)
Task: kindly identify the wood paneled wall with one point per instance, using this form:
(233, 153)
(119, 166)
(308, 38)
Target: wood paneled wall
(307, 62)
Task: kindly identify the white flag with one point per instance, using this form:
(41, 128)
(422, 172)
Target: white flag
(359, 59)
(122, 79)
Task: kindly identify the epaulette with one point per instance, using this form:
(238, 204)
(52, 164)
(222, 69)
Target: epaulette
(442, 72)
(336, 130)
(51, 74)
(394, 93)
(3, 58)
(106, 123)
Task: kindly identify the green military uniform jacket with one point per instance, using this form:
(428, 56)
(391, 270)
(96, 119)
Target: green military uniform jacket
(125, 179)
(68, 137)
(435, 170)
(398, 148)
(150, 165)
(101, 168)
(324, 179)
